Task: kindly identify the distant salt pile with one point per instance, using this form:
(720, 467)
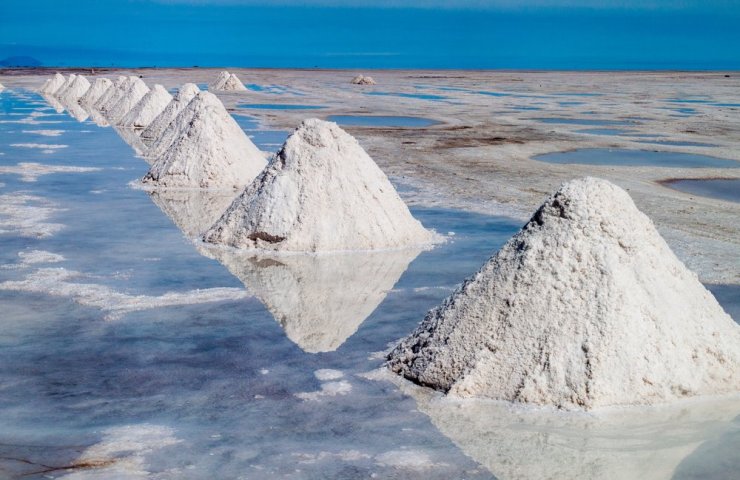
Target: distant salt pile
(113, 94)
(208, 150)
(155, 129)
(52, 84)
(220, 81)
(136, 90)
(96, 90)
(63, 88)
(321, 192)
(233, 84)
(144, 112)
(75, 90)
(363, 80)
(585, 307)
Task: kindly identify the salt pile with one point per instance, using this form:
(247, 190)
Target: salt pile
(233, 84)
(585, 307)
(75, 90)
(113, 94)
(155, 129)
(52, 84)
(321, 192)
(136, 90)
(363, 80)
(208, 149)
(63, 88)
(144, 112)
(219, 82)
(96, 90)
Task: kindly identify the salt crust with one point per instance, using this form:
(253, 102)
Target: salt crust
(585, 307)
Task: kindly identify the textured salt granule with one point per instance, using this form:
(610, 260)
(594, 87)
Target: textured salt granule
(77, 88)
(96, 90)
(218, 83)
(321, 192)
(134, 93)
(53, 84)
(585, 307)
(158, 126)
(208, 150)
(144, 112)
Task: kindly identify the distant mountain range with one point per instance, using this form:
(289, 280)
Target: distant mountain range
(20, 61)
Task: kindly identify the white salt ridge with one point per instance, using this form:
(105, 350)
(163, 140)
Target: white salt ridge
(63, 88)
(144, 112)
(96, 90)
(114, 94)
(321, 192)
(76, 89)
(208, 149)
(585, 307)
(220, 80)
(136, 90)
(158, 126)
(31, 171)
(52, 85)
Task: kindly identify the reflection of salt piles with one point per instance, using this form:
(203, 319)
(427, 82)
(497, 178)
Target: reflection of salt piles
(319, 300)
(75, 90)
(585, 307)
(147, 109)
(220, 80)
(73, 108)
(63, 88)
(53, 102)
(2, 87)
(131, 137)
(321, 192)
(232, 84)
(113, 94)
(53, 84)
(155, 129)
(516, 442)
(207, 149)
(96, 90)
(192, 211)
(136, 90)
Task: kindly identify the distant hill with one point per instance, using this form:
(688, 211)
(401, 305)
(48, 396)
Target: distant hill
(20, 61)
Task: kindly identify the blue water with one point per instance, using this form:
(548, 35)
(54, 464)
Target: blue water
(722, 188)
(678, 143)
(634, 158)
(584, 121)
(381, 121)
(279, 106)
(421, 96)
(604, 131)
(86, 32)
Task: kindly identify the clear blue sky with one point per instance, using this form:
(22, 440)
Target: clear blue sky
(554, 34)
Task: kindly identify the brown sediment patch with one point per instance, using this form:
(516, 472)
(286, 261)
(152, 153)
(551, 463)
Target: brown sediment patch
(78, 465)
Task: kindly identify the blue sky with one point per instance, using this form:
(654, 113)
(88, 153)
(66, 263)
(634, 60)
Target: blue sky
(537, 34)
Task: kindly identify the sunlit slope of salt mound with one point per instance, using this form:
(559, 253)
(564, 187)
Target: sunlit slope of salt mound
(520, 443)
(232, 84)
(208, 150)
(96, 90)
(132, 96)
(157, 127)
(151, 105)
(52, 84)
(218, 83)
(111, 97)
(319, 300)
(321, 192)
(585, 307)
(192, 211)
(63, 88)
(75, 90)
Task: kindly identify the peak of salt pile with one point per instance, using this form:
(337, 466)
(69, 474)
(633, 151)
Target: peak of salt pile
(219, 82)
(96, 90)
(75, 90)
(321, 192)
(113, 94)
(208, 149)
(233, 84)
(52, 84)
(157, 127)
(136, 90)
(63, 88)
(363, 80)
(144, 112)
(585, 307)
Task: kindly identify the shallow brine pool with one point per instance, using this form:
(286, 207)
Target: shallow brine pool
(636, 158)
(381, 121)
(721, 188)
(130, 350)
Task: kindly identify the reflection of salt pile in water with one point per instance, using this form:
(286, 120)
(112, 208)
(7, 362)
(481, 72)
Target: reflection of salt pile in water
(207, 149)
(53, 102)
(75, 90)
(158, 126)
(73, 108)
(363, 80)
(136, 90)
(585, 307)
(192, 211)
(148, 108)
(516, 442)
(52, 85)
(2, 87)
(321, 192)
(319, 300)
(131, 137)
(96, 90)
(113, 94)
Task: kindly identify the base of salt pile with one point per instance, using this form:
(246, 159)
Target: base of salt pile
(585, 307)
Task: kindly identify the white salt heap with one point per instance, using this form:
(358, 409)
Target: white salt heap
(208, 150)
(233, 84)
(63, 88)
(113, 94)
(219, 82)
(96, 90)
(77, 88)
(363, 80)
(155, 129)
(321, 192)
(136, 90)
(585, 307)
(52, 84)
(144, 112)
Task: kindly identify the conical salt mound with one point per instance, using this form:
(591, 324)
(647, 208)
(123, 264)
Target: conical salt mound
(52, 84)
(321, 192)
(219, 82)
(63, 88)
(133, 95)
(209, 150)
(363, 80)
(113, 94)
(96, 90)
(155, 129)
(585, 307)
(75, 90)
(232, 84)
(147, 109)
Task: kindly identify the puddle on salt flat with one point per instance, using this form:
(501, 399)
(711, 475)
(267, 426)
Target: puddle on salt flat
(720, 188)
(583, 121)
(605, 131)
(420, 96)
(689, 100)
(279, 106)
(635, 158)
(381, 121)
(727, 105)
(678, 143)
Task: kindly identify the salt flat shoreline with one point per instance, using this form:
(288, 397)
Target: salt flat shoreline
(479, 157)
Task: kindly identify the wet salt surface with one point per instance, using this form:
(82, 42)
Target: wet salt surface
(420, 96)
(628, 158)
(279, 106)
(605, 131)
(381, 121)
(678, 143)
(721, 188)
(583, 121)
(214, 389)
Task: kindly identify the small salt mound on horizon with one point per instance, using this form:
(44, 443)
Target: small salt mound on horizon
(158, 126)
(363, 80)
(218, 83)
(75, 90)
(151, 105)
(232, 84)
(208, 150)
(321, 192)
(52, 85)
(96, 90)
(134, 93)
(585, 307)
